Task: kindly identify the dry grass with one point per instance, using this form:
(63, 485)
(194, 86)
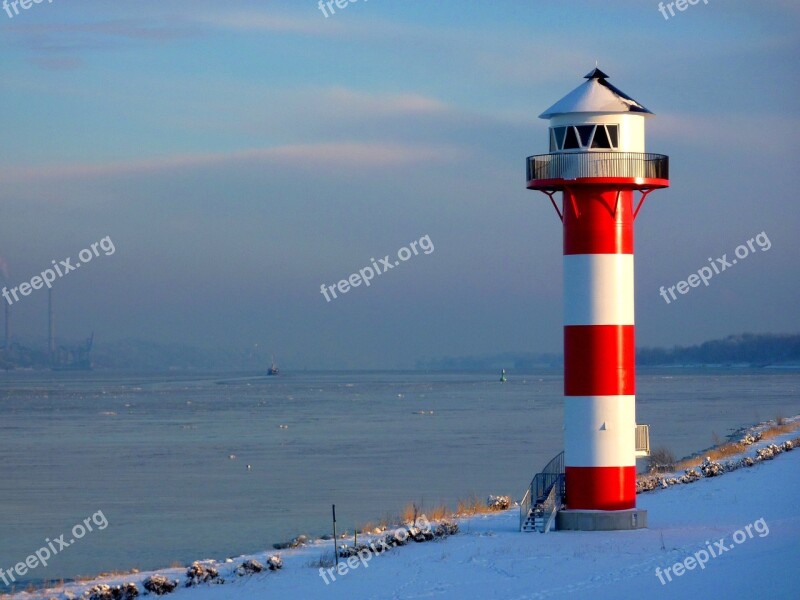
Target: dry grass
(32, 588)
(367, 527)
(326, 560)
(729, 449)
(715, 454)
(472, 506)
(437, 513)
(780, 429)
(411, 512)
(106, 575)
(432, 513)
(371, 526)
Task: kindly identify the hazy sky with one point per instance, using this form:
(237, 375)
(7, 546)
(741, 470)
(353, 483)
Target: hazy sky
(241, 154)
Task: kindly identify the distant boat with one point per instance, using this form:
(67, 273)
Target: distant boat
(503, 376)
(273, 368)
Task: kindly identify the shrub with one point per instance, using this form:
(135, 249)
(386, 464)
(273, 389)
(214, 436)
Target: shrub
(199, 573)
(499, 502)
(249, 567)
(160, 585)
(661, 460)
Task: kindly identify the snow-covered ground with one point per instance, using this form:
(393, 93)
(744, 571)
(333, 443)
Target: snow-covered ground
(490, 558)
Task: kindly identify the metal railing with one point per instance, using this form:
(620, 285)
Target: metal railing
(643, 440)
(524, 508)
(550, 507)
(546, 492)
(572, 165)
(544, 480)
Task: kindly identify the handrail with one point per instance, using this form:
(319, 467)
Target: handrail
(556, 464)
(542, 482)
(524, 508)
(545, 493)
(550, 507)
(574, 165)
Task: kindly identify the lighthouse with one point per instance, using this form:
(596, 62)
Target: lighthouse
(597, 161)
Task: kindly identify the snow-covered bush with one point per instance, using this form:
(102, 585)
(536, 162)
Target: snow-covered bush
(768, 452)
(346, 551)
(126, 591)
(444, 528)
(750, 438)
(274, 562)
(99, 592)
(499, 502)
(160, 585)
(709, 468)
(689, 476)
(398, 537)
(648, 483)
(199, 573)
(249, 567)
(300, 540)
(420, 535)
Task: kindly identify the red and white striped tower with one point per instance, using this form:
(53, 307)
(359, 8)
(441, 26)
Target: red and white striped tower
(597, 161)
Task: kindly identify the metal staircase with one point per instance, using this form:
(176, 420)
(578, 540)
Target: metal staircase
(544, 497)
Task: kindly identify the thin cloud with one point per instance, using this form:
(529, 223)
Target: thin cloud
(147, 29)
(383, 104)
(321, 155)
(262, 21)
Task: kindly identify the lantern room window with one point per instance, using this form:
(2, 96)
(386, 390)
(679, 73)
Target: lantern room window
(584, 137)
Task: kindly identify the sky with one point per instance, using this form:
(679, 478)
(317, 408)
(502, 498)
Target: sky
(241, 154)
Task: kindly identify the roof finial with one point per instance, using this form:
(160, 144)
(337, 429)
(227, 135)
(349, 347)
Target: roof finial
(595, 73)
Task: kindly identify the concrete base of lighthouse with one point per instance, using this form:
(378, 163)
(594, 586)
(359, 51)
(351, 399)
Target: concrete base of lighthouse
(601, 520)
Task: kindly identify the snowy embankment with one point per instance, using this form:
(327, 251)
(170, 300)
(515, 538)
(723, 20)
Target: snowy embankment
(757, 444)
(720, 537)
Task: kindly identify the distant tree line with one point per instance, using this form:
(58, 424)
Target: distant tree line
(755, 349)
(758, 350)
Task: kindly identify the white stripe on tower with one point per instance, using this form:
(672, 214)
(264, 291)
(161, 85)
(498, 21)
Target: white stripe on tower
(598, 289)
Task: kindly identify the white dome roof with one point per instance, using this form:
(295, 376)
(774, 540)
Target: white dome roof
(595, 96)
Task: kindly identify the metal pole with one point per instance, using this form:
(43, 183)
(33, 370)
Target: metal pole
(335, 548)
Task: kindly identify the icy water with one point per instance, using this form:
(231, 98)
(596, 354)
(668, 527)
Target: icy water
(165, 457)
